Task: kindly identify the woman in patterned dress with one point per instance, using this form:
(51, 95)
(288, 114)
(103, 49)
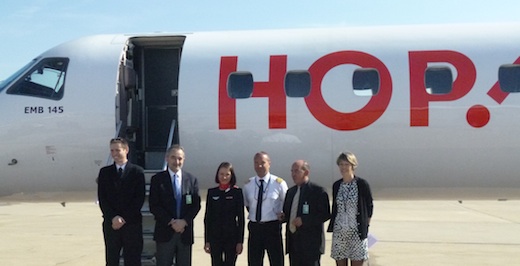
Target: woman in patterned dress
(351, 212)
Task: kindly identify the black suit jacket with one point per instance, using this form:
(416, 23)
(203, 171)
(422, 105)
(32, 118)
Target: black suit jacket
(121, 196)
(224, 217)
(163, 205)
(309, 239)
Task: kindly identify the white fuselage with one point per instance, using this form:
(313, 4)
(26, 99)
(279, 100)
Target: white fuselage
(405, 139)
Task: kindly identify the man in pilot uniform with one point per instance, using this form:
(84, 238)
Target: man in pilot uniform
(264, 195)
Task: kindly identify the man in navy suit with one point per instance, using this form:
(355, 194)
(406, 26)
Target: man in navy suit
(306, 208)
(121, 194)
(174, 201)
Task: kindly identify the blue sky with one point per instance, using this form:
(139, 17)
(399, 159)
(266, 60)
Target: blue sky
(29, 27)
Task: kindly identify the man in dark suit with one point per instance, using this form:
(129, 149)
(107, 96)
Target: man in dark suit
(174, 201)
(121, 194)
(306, 208)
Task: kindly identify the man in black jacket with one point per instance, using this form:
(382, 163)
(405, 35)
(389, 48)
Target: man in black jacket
(306, 208)
(174, 201)
(121, 194)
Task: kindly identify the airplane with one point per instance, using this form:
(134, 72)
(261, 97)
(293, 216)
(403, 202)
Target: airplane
(428, 110)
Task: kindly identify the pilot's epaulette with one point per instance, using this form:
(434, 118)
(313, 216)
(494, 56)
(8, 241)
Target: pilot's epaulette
(279, 180)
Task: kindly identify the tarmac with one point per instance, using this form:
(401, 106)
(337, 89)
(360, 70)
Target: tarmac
(46, 230)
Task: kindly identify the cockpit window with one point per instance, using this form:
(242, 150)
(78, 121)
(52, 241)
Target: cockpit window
(44, 80)
(4, 83)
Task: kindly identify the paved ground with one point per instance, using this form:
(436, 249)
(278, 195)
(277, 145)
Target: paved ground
(41, 231)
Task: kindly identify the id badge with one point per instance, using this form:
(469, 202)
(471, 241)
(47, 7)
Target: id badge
(188, 199)
(305, 208)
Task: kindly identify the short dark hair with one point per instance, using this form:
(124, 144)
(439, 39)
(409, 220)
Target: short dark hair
(263, 153)
(233, 180)
(121, 141)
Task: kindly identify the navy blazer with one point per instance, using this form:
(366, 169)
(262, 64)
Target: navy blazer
(121, 196)
(309, 238)
(164, 208)
(364, 210)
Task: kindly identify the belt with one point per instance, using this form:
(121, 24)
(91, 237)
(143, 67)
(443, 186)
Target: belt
(268, 222)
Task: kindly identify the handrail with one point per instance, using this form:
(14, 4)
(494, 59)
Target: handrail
(110, 160)
(170, 139)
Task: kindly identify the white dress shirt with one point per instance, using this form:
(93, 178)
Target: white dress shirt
(275, 189)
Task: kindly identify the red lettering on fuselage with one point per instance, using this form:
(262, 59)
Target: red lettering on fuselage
(272, 89)
(477, 115)
(420, 98)
(496, 93)
(348, 121)
(227, 107)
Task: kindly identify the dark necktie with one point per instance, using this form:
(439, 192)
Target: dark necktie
(259, 202)
(117, 182)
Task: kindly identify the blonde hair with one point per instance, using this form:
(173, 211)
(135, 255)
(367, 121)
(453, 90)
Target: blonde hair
(349, 157)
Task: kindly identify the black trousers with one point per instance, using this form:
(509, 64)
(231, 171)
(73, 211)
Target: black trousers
(303, 259)
(223, 253)
(300, 254)
(128, 238)
(265, 236)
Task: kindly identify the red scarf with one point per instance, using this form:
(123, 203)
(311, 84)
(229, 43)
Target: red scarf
(224, 187)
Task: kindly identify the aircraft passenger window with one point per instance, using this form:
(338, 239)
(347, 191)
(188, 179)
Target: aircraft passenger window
(365, 81)
(438, 80)
(44, 80)
(297, 83)
(240, 85)
(509, 78)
